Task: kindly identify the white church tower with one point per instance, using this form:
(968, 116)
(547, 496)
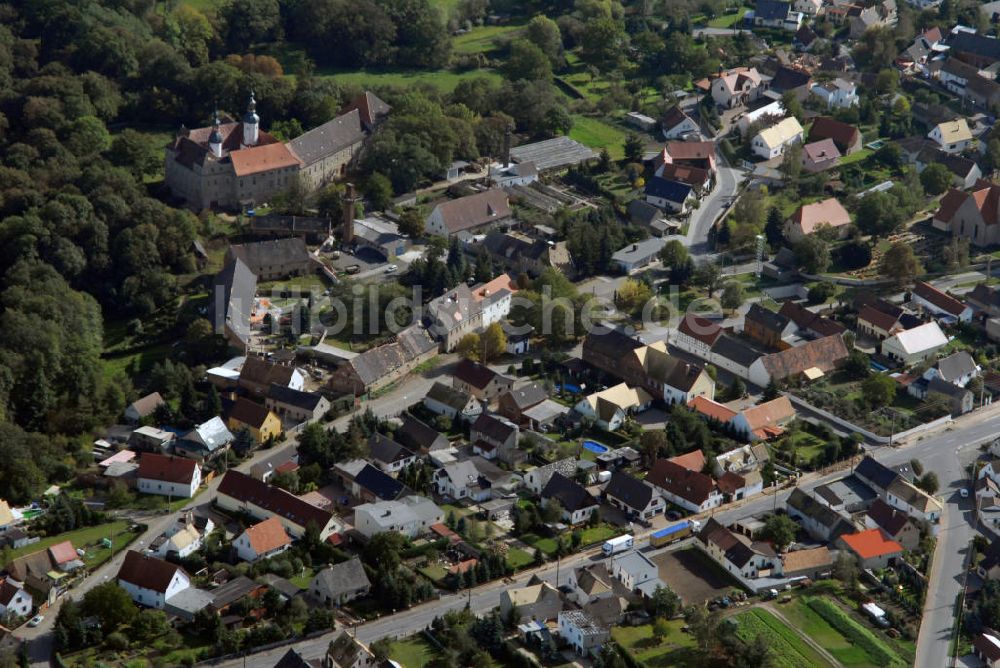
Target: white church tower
(251, 123)
(215, 139)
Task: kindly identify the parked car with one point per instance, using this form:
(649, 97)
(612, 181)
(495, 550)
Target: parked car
(36, 620)
(391, 268)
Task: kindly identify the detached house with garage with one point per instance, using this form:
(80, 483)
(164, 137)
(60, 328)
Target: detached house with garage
(952, 136)
(692, 490)
(737, 554)
(480, 381)
(635, 497)
(771, 142)
(388, 455)
(676, 124)
(737, 87)
(340, 583)
(262, 540)
(576, 502)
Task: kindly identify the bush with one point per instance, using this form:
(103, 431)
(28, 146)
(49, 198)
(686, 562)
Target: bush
(820, 293)
(854, 632)
(117, 641)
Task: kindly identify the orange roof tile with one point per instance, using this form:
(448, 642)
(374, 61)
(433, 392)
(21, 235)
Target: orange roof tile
(262, 159)
(692, 461)
(712, 409)
(871, 543)
(267, 535)
(769, 414)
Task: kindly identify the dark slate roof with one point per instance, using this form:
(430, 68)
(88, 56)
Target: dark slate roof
(245, 489)
(292, 659)
(641, 212)
(610, 342)
(820, 513)
(493, 427)
(449, 396)
(944, 387)
(528, 395)
(570, 494)
(879, 475)
(231, 301)
(333, 136)
(887, 517)
(789, 78)
(147, 572)
(735, 350)
(986, 295)
(956, 365)
(380, 484)
(775, 322)
(347, 576)
(630, 491)
(474, 373)
(277, 252)
(286, 395)
(237, 588)
(375, 363)
(384, 449)
(416, 435)
(771, 10)
(978, 45)
(672, 191)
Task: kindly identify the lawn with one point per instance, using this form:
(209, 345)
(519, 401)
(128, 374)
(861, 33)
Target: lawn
(84, 538)
(597, 134)
(445, 80)
(546, 545)
(517, 558)
(303, 579)
(482, 39)
(671, 650)
(599, 534)
(412, 652)
(788, 648)
(856, 157)
(814, 626)
(806, 445)
(435, 572)
(727, 20)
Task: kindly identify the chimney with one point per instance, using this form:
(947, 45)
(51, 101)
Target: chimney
(347, 231)
(506, 147)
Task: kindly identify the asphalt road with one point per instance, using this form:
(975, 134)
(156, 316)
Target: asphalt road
(727, 184)
(946, 452)
(40, 639)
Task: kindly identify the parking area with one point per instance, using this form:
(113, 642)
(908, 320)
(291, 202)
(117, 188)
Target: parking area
(693, 575)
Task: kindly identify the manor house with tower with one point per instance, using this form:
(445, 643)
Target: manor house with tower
(234, 165)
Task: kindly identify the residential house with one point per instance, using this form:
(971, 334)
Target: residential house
(771, 142)
(495, 437)
(764, 421)
(952, 136)
(812, 359)
(462, 480)
(810, 324)
(737, 87)
(518, 253)
(537, 478)
(480, 381)
(969, 83)
(973, 48)
(15, 601)
(768, 328)
(875, 474)
(958, 369)
(588, 584)
(385, 364)
(340, 583)
(940, 303)
(699, 154)
(896, 524)
(820, 156)
(368, 483)
(872, 548)
(986, 647)
(692, 490)
(818, 519)
(452, 402)
(258, 374)
(743, 459)
(388, 455)
(576, 502)
(206, 441)
(239, 493)
(846, 137)
(346, 651)
(166, 475)
(609, 408)
(534, 602)
(763, 112)
(262, 540)
(813, 563)
(695, 334)
(420, 437)
(582, 632)
(183, 538)
(411, 516)
(143, 408)
(296, 406)
(776, 14)
(907, 497)
(514, 402)
(837, 94)
(150, 581)
(638, 255)
(971, 215)
(151, 439)
(634, 570)
(472, 213)
(677, 125)
(668, 195)
(43, 571)
(464, 310)
(698, 178)
(260, 424)
(273, 259)
(791, 80)
(808, 7)
(915, 345)
(654, 220)
(737, 554)
(880, 323)
(635, 497)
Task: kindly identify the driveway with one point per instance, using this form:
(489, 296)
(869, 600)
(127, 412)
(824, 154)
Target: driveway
(728, 181)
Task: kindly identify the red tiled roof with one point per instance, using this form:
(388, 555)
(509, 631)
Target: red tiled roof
(690, 150)
(769, 414)
(700, 329)
(692, 176)
(445, 532)
(712, 409)
(871, 543)
(943, 301)
(730, 482)
(692, 461)
(167, 468)
(949, 204)
(825, 127)
(267, 535)
(883, 321)
(690, 485)
(63, 553)
(988, 645)
(245, 489)
(258, 159)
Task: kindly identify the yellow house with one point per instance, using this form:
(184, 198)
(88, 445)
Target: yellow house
(261, 423)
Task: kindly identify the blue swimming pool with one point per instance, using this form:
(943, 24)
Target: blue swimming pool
(596, 447)
(569, 387)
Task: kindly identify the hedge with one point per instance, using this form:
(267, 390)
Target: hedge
(856, 634)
